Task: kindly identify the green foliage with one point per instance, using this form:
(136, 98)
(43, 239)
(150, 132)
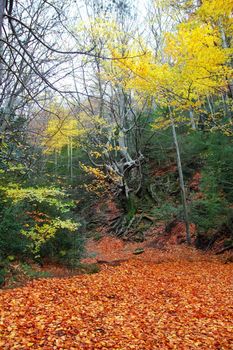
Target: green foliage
(193, 145)
(40, 234)
(30, 272)
(208, 213)
(32, 219)
(160, 149)
(217, 173)
(212, 153)
(214, 209)
(16, 153)
(228, 242)
(12, 242)
(131, 207)
(166, 212)
(51, 199)
(96, 236)
(3, 272)
(65, 247)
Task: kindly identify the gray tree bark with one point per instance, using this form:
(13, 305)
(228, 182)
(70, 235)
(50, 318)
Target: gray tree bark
(193, 124)
(225, 45)
(2, 8)
(182, 186)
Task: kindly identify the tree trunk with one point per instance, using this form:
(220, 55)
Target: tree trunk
(210, 106)
(2, 8)
(225, 45)
(182, 186)
(71, 159)
(68, 158)
(193, 124)
(55, 161)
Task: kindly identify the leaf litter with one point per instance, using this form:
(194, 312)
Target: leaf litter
(176, 299)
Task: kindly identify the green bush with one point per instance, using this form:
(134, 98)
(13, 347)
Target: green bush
(3, 272)
(30, 272)
(217, 173)
(167, 212)
(12, 242)
(214, 209)
(36, 222)
(65, 247)
(208, 213)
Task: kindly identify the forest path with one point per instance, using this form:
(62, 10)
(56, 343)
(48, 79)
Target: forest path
(178, 299)
(159, 249)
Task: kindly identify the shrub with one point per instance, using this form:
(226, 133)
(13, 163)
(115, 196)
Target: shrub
(208, 213)
(66, 247)
(35, 221)
(166, 212)
(12, 242)
(30, 272)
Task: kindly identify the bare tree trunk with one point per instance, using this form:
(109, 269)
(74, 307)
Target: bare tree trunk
(68, 158)
(193, 124)
(2, 8)
(210, 106)
(182, 186)
(55, 161)
(225, 46)
(71, 159)
(225, 106)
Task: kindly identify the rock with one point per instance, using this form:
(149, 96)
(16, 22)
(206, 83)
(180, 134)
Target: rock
(138, 251)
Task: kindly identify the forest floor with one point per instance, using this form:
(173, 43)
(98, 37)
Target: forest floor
(178, 298)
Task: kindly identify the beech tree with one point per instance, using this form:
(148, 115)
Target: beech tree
(193, 67)
(110, 103)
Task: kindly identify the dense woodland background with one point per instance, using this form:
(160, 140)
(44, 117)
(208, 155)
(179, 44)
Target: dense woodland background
(115, 117)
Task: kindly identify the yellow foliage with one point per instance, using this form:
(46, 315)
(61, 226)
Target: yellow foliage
(215, 9)
(61, 129)
(198, 61)
(99, 174)
(195, 64)
(95, 154)
(164, 123)
(99, 28)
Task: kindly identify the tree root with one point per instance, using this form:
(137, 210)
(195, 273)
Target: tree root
(224, 249)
